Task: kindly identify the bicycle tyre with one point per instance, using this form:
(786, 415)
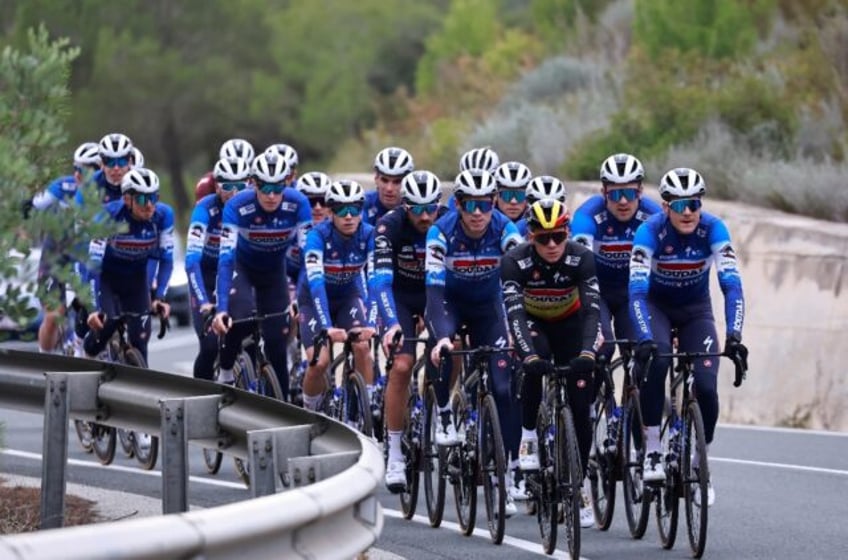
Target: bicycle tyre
(267, 383)
(666, 496)
(696, 478)
(411, 447)
(637, 500)
(144, 454)
(103, 443)
(359, 403)
(570, 478)
(245, 377)
(546, 509)
(493, 457)
(212, 459)
(84, 434)
(463, 467)
(125, 438)
(432, 459)
(601, 468)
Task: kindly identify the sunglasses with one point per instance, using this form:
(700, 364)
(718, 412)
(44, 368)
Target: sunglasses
(271, 188)
(420, 209)
(316, 200)
(681, 204)
(472, 206)
(143, 198)
(616, 195)
(345, 210)
(545, 238)
(116, 162)
(513, 196)
(237, 186)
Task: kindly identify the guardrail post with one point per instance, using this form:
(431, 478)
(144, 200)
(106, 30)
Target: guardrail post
(183, 419)
(61, 392)
(304, 471)
(271, 448)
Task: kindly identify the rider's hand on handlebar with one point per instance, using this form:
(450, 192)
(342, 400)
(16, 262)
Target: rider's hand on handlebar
(365, 333)
(535, 366)
(95, 321)
(583, 364)
(388, 336)
(221, 323)
(644, 351)
(336, 334)
(206, 308)
(161, 308)
(436, 352)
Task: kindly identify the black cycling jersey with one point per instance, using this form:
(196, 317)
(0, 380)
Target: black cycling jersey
(550, 292)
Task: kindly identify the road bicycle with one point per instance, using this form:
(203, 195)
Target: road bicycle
(554, 489)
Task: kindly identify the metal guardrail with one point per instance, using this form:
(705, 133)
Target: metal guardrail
(313, 479)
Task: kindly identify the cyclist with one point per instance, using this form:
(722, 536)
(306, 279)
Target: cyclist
(332, 292)
(669, 287)
(137, 157)
(234, 148)
(116, 152)
(479, 159)
(398, 285)
(58, 194)
(462, 283)
(201, 260)
(258, 226)
(606, 224)
(290, 155)
(390, 166)
(118, 265)
(539, 188)
(512, 178)
(552, 301)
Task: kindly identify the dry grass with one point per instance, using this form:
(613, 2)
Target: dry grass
(20, 509)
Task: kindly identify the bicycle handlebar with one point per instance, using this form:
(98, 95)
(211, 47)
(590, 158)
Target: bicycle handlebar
(741, 372)
(393, 348)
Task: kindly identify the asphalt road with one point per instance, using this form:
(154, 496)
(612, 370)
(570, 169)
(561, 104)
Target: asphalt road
(780, 493)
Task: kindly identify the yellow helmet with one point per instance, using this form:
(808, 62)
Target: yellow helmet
(547, 214)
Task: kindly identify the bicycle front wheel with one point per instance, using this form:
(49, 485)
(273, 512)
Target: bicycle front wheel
(267, 383)
(462, 466)
(146, 449)
(637, 499)
(432, 458)
(696, 477)
(84, 433)
(602, 472)
(547, 508)
(411, 445)
(358, 404)
(104, 440)
(126, 440)
(570, 478)
(493, 468)
(668, 504)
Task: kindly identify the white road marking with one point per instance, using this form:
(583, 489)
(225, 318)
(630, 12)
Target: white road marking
(780, 430)
(785, 466)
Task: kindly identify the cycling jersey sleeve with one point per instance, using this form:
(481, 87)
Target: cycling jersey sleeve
(96, 252)
(313, 262)
(44, 200)
(513, 290)
(383, 276)
(434, 282)
(583, 229)
(195, 241)
(226, 256)
(368, 277)
(510, 237)
(165, 218)
(728, 278)
(590, 303)
(644, 245)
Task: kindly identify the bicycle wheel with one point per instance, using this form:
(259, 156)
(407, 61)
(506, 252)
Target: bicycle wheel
(296, 373)
(432, 458)
(462, 466)
(696, 476)
(212, 459)
(84, 434)
(637, 500)
(570, 478)
(267, 383)
(548, 496)
(602, 472)
(126, 440)
(411, 446)
(103, 443)
(493, 468)
(666, 494)
(245, 377)
(145, 447)
(358, 409)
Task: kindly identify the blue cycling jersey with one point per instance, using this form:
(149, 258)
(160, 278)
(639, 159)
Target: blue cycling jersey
(203, 243)
(127, 253)
(461, 269)
(521, 226)
(611, 240)
(257, 239)
(58, 193)
(336, 266)
(373, 209)
(673, 269)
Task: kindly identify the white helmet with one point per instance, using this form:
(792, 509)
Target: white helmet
(269, 167)
(393, 162)
(87, 153)
(682, 182)
(545, 186)
(485, 159)
(513, 175)
(137, 157)
(115, 145)
(313, 183)
(231, 170)
(289, 153)
(345, 192)
(141, 180)
(421, 187)
(622, 169)
(237, 148)
(475, 182)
